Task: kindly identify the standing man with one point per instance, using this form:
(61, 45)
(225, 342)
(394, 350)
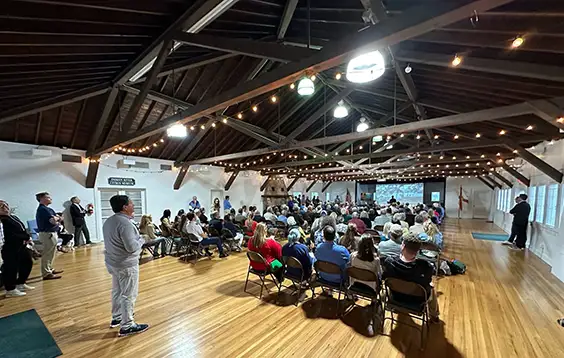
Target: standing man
(194, 204)
(17, 258)
(48, 226)
(392, 200)
(520, 212)
(78, 213)
(122, 248)
(226, 204)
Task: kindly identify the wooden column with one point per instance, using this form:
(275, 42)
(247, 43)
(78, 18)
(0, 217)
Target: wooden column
(180, 177)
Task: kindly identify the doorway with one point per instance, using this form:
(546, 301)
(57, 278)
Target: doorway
(137, 196)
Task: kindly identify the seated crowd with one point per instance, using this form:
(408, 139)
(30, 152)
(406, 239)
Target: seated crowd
(344, 235)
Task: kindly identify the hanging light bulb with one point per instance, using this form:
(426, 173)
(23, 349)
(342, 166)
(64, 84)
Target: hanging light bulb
(502, 132)
(457, 60)
(517, 42)
(366, 67)
(340, 111)
(224, 120)
(456, 136)
(408, 68)
(177, 131)
(306, 87)
(240, 115)
(338, 76)
(255, 108)
(292, 86)
(313, 78)
(273, 99)
(362, 126)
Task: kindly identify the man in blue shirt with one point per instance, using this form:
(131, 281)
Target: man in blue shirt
(47, 227)
(226, 204)
(194, 204)
(334, 253)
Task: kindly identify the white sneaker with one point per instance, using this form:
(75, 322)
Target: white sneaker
(25, 287)
(507, 243)
(15, 293)
(515, 247)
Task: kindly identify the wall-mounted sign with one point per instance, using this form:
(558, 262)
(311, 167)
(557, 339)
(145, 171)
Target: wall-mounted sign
(121, 181)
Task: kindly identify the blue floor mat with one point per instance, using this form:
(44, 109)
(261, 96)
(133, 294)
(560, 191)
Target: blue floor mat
(490, 237)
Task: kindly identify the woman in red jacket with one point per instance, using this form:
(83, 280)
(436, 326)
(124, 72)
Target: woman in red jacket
(269, 248)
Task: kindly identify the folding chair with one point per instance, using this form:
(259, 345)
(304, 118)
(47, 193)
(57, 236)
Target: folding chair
(282, 228)
(194, 247)
(262, 274)
(228, 240)
(329, 268)
(362, 290)
(378, 227)
(419, 311)
(297, 279)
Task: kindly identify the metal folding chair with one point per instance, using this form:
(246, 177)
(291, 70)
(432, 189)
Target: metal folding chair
(329, 268)
(419, 311)
(262, 274)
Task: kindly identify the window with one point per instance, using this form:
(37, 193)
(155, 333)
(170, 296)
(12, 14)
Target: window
(314, 194)
(498, 205)
(541, 195)
(551, 203)
(532, 201)
(510, 199)
(327, 196)
(505, 196)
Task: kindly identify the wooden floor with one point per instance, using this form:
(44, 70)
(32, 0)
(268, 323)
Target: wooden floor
(505, 305)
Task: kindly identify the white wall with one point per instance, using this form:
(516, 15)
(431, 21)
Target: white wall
(21, 177)
(469, 187)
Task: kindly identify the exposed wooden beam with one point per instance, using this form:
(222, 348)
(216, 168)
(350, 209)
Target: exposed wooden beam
(503, 179)
(446, 121)
(189, 64)
(325, 186)
(263, 185)
(59, 123)
(109, 104)
(291, 185)
(305, 124)
(535, 161)
(549, 112)
(259, 49)
(180, 177)
(194, 142)
(311, 186)
(231, 180)
(511, 68)
(38, 127)
(92, 173)
(492, 181)
(78, 122)
(287, 15)
(54, 102)
(387, 153)
(195, 18)
(413, 22)
(147, 85)
(520, 177)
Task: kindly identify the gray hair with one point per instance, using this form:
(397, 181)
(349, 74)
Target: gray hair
(419, 218)
(355, 214)
(328, 221)
(364, 215)
(395, 233)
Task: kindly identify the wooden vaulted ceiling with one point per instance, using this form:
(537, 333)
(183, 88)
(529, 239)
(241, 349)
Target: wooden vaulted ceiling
(55, 47)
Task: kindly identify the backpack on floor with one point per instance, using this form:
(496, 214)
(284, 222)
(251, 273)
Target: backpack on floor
(457, 267)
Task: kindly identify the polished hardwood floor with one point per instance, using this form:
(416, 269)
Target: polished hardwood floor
(506, 305)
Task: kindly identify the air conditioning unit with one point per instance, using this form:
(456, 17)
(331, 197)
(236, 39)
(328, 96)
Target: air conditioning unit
(129, 161)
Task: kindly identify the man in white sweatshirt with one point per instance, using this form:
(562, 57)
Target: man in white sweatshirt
(122, 248)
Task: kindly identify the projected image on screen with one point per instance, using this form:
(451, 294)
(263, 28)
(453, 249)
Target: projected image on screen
(405, 193)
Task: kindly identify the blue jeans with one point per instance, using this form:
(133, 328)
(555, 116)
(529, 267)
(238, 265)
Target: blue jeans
(213, 241)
